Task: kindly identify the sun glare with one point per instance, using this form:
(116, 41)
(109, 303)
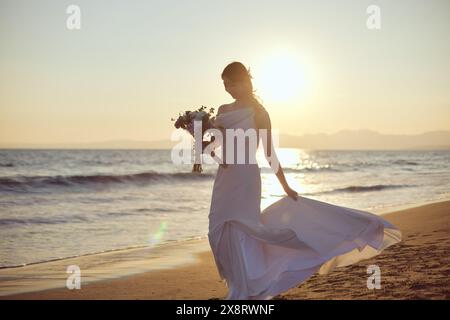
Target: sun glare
(280, 77)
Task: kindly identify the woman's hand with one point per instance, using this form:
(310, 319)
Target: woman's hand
(291, 193)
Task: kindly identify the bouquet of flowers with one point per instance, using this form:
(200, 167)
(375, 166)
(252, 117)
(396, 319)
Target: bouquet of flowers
(186, 121)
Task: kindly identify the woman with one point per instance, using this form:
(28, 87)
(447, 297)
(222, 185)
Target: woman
(261, 254)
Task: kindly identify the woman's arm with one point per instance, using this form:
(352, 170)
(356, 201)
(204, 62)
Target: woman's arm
(271, 156)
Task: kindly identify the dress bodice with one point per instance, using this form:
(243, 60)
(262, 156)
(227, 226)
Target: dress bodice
(241, 133)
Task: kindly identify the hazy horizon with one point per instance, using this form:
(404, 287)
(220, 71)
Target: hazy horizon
(341, 140)
(133, 66)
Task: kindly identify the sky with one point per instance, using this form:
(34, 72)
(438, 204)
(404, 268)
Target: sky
(133, 65)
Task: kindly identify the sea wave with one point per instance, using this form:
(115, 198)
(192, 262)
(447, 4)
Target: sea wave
(26, 183)
(361, 188)
(42, 220)
(7, 164)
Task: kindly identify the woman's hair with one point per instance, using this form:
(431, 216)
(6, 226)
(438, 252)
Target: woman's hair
(237, 72)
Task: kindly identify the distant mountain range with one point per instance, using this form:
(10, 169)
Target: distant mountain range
(345, 140)
(369, 140)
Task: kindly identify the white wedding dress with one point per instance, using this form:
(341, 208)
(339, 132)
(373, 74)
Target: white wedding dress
(262, 254)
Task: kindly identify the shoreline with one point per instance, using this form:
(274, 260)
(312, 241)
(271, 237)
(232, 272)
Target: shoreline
(162, 266)
(104, 266)
(400, 207)
(161, 246)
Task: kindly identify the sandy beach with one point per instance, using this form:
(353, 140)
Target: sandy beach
(149, 150)
(416, 268)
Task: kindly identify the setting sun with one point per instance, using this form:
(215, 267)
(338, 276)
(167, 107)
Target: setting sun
(280, 77)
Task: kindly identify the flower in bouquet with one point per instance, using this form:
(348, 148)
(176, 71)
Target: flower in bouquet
(186, 121)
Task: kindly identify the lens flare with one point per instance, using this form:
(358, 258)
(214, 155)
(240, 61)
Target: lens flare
(157, 237)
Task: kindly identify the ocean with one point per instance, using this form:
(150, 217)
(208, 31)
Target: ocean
(56, 204)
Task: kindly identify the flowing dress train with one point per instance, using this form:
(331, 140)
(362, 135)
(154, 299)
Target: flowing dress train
(262, 254)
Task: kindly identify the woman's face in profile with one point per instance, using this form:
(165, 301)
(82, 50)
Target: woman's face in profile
(235, 89)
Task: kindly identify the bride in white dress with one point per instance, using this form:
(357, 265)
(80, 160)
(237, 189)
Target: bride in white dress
(262, 254)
